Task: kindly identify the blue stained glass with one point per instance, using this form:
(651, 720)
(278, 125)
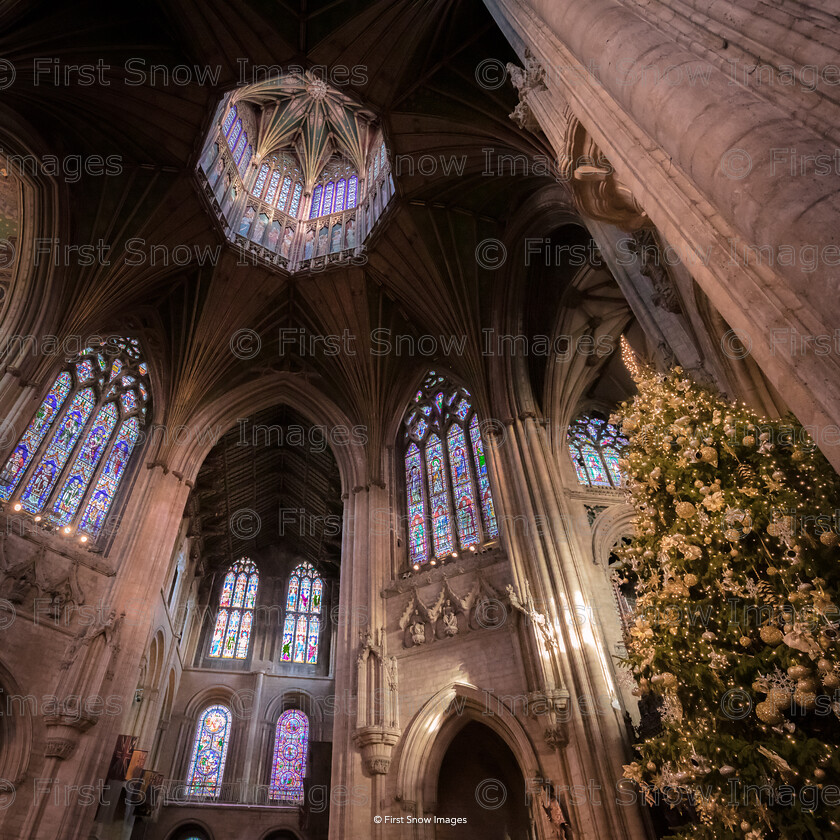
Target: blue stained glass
(288, 639)
(260, 182)
(611, 459)
(128, 401)
(45, 476)
(314, 211)
(441, 524)
(303, 599)
(465, 510)
(240, 147)
(417, 545)
(34, 434)
(249, 153)
(488, 511)
(272, 187)
(288, 763)
(84, 371)
(594, 446)
(235, 618)
(352, 188)
(284, 193)
(463, 409)
(339, 195)
(109, 479)
(231, 116)
(207, 763)
(70, 496)
(328, 199)
(234, 134)
(293, 207)
(300, 639)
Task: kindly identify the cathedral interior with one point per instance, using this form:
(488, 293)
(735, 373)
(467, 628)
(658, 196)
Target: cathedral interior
(311, 343)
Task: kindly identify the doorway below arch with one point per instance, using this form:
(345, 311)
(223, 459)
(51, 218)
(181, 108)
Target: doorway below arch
(480, 780)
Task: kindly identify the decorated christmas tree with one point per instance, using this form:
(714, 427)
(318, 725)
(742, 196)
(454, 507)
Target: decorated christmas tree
(738, 580)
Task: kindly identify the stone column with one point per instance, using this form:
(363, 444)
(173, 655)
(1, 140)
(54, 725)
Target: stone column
(143, 548)
(708, 160)
(571, 686)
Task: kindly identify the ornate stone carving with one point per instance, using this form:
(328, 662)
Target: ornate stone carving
(376, 744)
(451, 614)
(526, 80)
(652, 264)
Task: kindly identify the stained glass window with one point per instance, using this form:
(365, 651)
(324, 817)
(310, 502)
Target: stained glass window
(246, 159)
(207, 764)
(352, 187)
(295, 204)
(34, 435)
(272, 186)
(260, 182)
(339, 195)
(235, 618)
(284, 193)
(449, 502)
(315, 210)
(240, 147)
(70, 496)
(70, 444)
(231, 116)
(234, 134)
(302, 627)
(328, 199)
(595, 447)
(288, 762)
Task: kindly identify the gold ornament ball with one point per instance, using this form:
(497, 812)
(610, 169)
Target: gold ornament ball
(829, 538)
(690, 580)
(819, 773)
(771, 635)
(825, 665)
(831, 681)
(768, 713)
(798, 672)
(745, 641)
(685, 510)
(806, 699)
(748, 440)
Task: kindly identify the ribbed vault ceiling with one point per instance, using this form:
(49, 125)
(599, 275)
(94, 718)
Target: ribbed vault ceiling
(420, 274)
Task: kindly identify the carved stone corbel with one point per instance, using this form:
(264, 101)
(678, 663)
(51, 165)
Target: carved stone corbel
(376, 744)
(527, 80)
(551, 706)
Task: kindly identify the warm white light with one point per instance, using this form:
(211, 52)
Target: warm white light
(38, 518)
(17, 506)
(67, 529)
(83, 539)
